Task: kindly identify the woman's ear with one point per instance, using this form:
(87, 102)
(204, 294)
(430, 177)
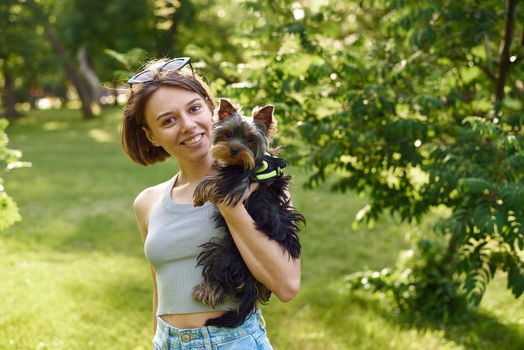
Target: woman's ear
(150, 137)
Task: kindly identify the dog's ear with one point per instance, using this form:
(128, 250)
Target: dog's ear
(226, 109)
(265, 116)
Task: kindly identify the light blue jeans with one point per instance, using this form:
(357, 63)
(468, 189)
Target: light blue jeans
(249, 335)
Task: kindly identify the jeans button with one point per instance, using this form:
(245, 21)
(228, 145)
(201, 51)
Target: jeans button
(186, 338)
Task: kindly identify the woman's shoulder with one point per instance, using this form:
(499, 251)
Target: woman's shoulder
(150, 195)
(144, 202)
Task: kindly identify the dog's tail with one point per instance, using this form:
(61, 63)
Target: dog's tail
(234, 318)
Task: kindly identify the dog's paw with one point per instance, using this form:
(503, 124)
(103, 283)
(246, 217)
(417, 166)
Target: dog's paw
(198, 201)
(199, 196)
(204, 192)
(207, 295)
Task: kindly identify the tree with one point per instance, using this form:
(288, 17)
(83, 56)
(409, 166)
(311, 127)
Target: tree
(17, 46)
(205, 30)
(119, 26)
(77, 45)
(415, 105)
(42, 16)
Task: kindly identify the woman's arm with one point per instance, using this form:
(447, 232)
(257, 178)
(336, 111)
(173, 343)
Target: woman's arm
(142, 205)
(155, 299)
(266, 259)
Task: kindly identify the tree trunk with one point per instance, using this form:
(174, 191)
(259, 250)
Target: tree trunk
(90, 76)
(172, 36)
(34, 93)
(115, 94)
(71, 72)
(183, 14)
(9, 93)
(63, 56)
(504, 60)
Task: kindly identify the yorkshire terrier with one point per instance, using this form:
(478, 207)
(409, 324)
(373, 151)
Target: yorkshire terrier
(242, 153)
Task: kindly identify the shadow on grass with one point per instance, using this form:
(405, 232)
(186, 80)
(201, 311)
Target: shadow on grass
(321, 318)
(484, 331)
(364, 320)
(474, 330)
(118, 304)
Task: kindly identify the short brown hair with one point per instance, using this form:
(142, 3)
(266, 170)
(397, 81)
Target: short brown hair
(136, 144)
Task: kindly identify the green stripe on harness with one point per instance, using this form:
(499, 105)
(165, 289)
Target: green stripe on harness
(270, 167)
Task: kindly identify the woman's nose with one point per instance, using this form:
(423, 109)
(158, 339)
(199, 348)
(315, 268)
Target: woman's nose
(187, 123)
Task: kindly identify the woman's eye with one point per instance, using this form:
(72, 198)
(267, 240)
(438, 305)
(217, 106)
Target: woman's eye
(195, 108)
(168, 121)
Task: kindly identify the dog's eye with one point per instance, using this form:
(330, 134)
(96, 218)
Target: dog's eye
(228, 134)
(250, 139)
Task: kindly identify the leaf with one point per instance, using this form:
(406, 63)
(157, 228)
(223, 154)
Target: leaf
(475, 185)
(516, 279)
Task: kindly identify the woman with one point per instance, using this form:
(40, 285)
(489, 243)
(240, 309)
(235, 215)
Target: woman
(169, 113)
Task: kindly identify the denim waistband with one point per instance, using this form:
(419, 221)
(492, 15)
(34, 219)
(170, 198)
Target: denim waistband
(204, 335)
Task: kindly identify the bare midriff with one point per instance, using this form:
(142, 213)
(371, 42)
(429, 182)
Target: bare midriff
(195, 320)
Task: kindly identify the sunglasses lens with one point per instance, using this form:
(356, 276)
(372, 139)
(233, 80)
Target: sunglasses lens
(142, 77)
(177, 63)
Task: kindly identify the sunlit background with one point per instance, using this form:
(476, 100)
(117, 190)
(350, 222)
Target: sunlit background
(402, 124)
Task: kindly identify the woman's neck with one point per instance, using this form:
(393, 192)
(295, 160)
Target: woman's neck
(192, 173)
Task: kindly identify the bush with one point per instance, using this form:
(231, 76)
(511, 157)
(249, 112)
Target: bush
(8, 208)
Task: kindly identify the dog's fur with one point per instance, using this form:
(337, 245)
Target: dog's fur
(239, 146)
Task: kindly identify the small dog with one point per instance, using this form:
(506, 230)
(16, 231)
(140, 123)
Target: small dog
(242, 153)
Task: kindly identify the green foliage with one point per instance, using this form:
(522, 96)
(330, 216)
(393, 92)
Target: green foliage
(401, 101)
(126, 61)
(420, 284)
(19, 40)
(119, 26)
(10, 159)
(154, 28)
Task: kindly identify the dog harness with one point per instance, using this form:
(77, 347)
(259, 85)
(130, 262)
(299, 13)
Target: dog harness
(175, 232)
(271, 167)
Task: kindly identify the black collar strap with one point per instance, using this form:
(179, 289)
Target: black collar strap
(270, 167)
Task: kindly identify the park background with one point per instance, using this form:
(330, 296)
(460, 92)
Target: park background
(401, 121)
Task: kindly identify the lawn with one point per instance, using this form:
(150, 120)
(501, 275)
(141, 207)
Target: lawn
(73, 274)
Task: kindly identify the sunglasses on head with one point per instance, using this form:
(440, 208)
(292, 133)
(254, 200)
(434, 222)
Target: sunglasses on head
(150, 75)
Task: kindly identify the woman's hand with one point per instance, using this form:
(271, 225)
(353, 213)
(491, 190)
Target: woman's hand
(224, 207)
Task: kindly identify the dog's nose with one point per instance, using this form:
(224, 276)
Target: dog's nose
(234, 151)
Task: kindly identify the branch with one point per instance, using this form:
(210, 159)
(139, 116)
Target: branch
(504, 62)
(485, 67)
(488, 72)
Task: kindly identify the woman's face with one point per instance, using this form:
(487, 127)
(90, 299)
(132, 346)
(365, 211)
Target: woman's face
(179, 121)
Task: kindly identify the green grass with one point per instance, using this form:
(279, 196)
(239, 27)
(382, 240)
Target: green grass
(73, 273)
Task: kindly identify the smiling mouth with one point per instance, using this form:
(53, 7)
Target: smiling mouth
(193, 140)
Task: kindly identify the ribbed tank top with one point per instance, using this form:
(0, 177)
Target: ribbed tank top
(175, 232)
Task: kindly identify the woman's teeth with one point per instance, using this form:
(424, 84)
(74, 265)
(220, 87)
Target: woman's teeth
(193, 140)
